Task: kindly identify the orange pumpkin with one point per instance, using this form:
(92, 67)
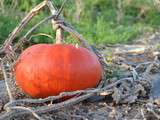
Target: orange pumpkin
(43, 70)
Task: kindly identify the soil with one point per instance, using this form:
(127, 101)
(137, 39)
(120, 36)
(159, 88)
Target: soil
(138, 99)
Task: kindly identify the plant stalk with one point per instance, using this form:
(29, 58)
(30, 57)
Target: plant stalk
(59, 30)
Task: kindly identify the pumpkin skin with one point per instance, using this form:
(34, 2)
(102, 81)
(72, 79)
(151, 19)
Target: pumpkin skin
(44, 70)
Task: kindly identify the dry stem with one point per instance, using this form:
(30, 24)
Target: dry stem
(57, 106)
(59, 31)
(22, 24)
(27, 109)
(77, 36)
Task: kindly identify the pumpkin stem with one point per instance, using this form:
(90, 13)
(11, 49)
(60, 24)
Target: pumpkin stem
(59, 36)
(59, 30)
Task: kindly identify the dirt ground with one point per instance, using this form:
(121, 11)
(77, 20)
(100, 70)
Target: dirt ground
(137, 98)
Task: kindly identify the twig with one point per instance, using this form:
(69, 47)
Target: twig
(27, 109)
(66, 103)
(32, 30)
(134, 73)
(77, 36)
(59, 30)
(23, 23)
(69, 29)
(51, 98)
(45, 109)
(60, 10)
(54, 16)
(38, 101)
(142, 113)
(141, 64)
(38, 24)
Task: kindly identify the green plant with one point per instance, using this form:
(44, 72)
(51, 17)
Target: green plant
(7, 24)
(98, 20)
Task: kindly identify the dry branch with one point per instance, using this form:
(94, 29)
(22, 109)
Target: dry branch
(22, 24)
(59, 31)
(77, 36)
(53, 107)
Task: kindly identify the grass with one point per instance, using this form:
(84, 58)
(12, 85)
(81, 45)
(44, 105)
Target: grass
(97, 23)
(7, 24)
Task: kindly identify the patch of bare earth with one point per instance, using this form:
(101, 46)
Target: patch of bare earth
(130, 90)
